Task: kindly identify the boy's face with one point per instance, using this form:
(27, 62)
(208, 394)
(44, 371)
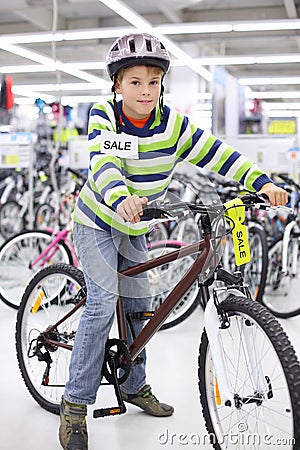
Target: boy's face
(140, 87)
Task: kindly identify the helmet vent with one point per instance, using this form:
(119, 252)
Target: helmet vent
(132, 46)
(148, 45)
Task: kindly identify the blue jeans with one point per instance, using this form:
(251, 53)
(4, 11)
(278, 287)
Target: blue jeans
(102, 255)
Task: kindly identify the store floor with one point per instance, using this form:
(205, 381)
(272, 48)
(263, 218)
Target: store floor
(172, 369)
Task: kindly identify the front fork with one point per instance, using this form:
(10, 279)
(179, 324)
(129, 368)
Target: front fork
(214, 323)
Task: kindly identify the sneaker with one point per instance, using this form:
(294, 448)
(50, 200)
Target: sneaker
(145, 400)
(73, 431)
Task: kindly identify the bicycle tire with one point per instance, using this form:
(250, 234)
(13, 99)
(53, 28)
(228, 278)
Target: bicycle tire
(56, 301)
(44, 216)
(274, 354)
(16, 255)
(164, 278)
(255, 272)
(281, 295)
(10, 222)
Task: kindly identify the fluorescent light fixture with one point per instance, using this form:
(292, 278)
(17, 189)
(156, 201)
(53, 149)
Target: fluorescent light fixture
(281, 113)
(75, 99)
(274, 94)
(24, 100)
(33, 94)
(140, 23)
(28, 54)
(28, 68)
(56, 65)
(55, 87)
(31, 38)
(268, 25)
(194, 28)
(268, 81)
(98, 33)
(278, 59)
(276, 105)
(128, 14)
(87, 65)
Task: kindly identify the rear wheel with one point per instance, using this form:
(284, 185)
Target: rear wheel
(48, 299)
(263, 379)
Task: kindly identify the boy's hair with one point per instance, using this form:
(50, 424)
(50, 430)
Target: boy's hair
(156, 70)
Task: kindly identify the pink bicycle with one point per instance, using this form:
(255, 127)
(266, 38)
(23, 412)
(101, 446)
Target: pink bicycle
(22, 255)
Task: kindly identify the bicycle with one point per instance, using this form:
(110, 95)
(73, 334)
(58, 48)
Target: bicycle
(282, 280)
(22, 255)
(248, 370)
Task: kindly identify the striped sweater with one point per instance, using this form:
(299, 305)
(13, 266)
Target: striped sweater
(161, 146)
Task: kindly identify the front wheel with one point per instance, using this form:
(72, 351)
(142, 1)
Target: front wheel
(281, 294)
(49, 298)
(263, 378)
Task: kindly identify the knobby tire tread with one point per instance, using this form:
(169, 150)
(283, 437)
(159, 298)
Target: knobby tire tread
(63, 269)
(282, 346)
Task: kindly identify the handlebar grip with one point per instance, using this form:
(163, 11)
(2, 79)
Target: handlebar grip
(264, 196)
(153, 211)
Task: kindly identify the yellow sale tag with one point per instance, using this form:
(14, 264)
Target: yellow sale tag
(236, 218)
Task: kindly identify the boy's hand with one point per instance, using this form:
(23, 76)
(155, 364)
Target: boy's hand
(131, 209)
(277, 195)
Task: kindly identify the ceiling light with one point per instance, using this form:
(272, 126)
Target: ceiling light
(286, 113)
(24, 53)
(276, 105)
(114, 32)
(30, 38)
(99, 33)
(274, 94)
(278, 59)
(194, 28)
(34, 56)
(268, 25)
(28, 68)
(55, 87)
(269, 81)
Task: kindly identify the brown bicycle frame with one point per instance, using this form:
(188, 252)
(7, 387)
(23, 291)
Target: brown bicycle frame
(201, 247)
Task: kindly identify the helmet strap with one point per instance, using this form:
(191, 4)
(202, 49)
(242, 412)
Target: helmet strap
(116, 113)
(161, 102)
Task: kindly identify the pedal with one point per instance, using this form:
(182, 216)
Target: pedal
(140, 315)
(104, 412)
(121, 408)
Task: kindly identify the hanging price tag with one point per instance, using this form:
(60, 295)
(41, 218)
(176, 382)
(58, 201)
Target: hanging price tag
(235, 215)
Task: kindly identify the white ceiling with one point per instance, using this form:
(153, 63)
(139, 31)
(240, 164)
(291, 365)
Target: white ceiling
(43, 16)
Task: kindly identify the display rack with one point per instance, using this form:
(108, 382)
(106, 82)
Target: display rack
(16, 152)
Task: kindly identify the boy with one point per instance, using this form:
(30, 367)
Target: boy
(134, 147)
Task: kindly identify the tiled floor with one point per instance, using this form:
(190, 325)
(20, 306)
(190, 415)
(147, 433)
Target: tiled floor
(172, 371)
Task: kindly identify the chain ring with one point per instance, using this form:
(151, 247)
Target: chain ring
(122, 357)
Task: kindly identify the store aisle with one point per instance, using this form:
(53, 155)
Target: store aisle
(172, 368)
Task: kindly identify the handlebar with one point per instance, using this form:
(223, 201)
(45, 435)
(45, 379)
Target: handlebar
(174, 210)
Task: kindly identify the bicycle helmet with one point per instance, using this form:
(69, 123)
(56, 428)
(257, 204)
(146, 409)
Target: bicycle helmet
(136, 49)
